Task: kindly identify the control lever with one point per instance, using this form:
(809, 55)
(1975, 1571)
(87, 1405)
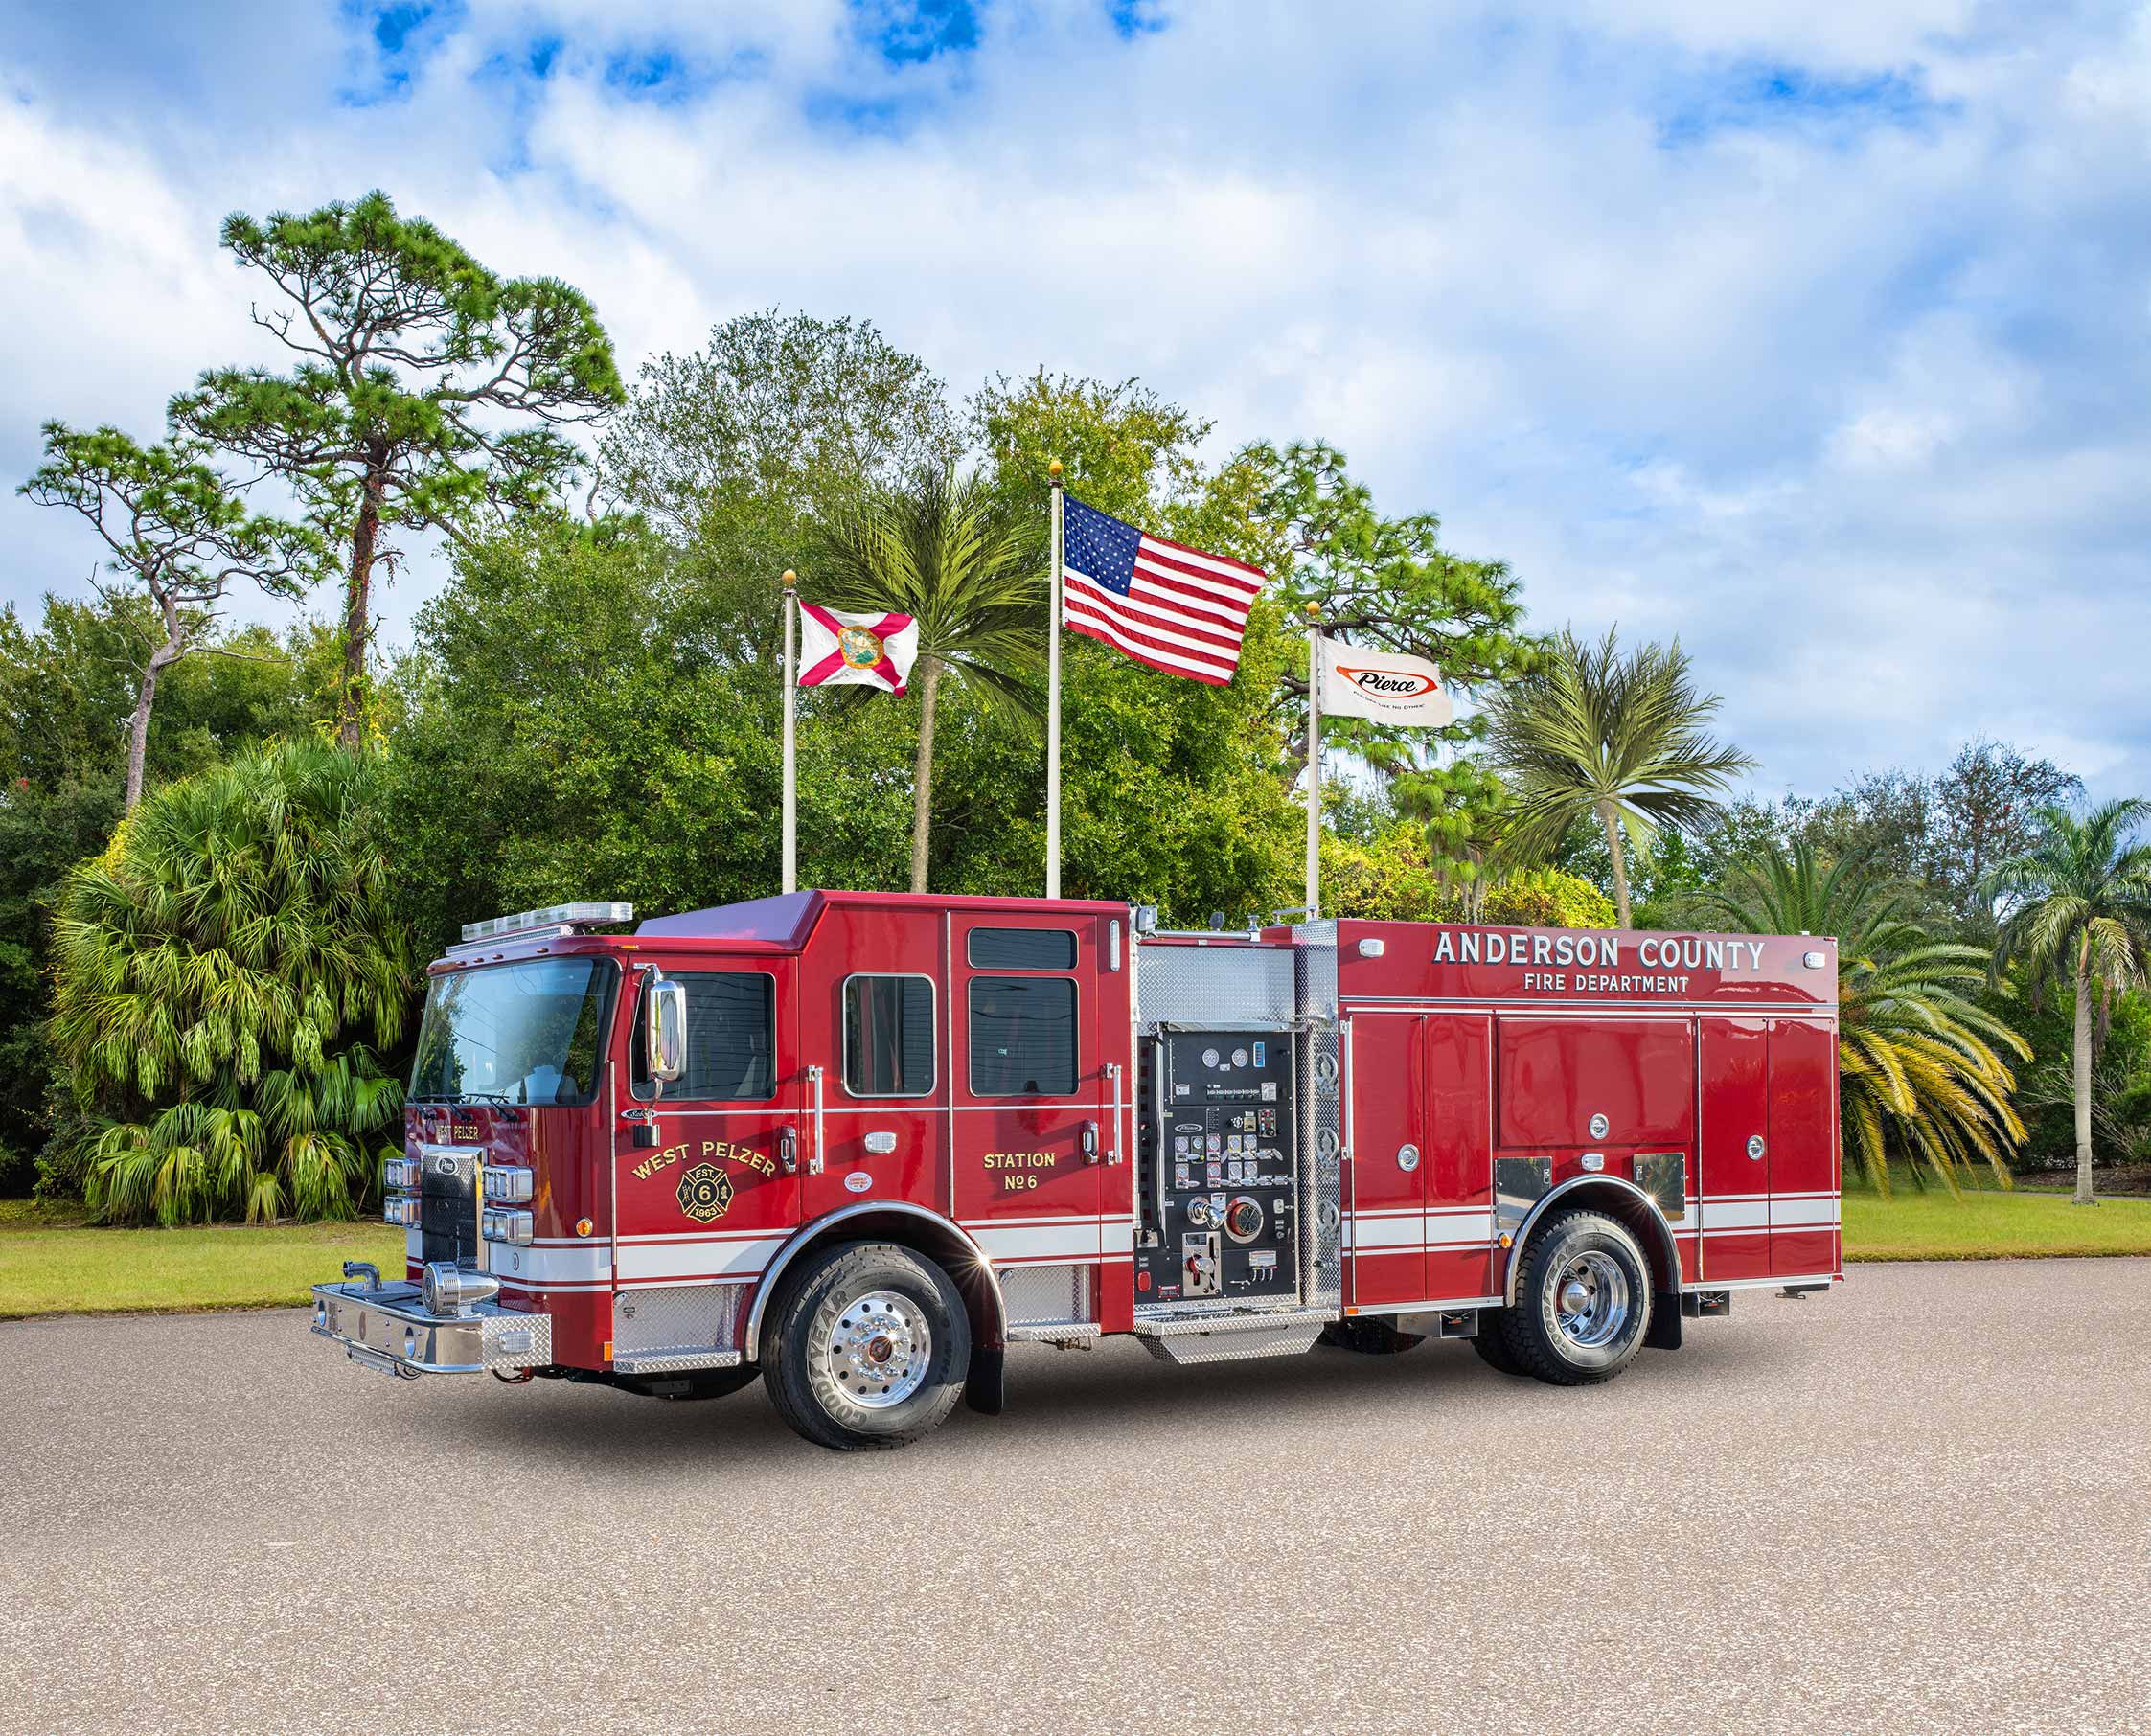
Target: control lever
(788, 1150)
(1090, 1142)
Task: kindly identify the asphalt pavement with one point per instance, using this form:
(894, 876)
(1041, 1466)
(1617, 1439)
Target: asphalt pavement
(1922, 1503)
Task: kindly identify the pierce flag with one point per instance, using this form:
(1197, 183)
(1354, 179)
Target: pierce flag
(841, 647)
(1386, 687)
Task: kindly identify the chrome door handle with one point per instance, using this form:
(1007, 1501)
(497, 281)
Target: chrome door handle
(1113, 1072)
(787, 1150)
(1756, 1147)
(815, 1163)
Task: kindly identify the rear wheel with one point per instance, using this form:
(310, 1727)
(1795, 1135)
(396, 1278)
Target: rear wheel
(867, 1347)
(1492, 1347)
(1583, 1302)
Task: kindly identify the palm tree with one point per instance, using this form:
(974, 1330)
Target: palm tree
(2079, 909)
(1918, 1064)
(1622, 738)
(944, 551)
(215, 973)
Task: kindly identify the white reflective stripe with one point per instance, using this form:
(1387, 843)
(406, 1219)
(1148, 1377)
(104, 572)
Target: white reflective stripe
(1472, 1228)
(1373, 1235)
(979, 1224)
(1117, 1238)
(664, 1237)
(1803, 1213)
(701, 1259)
(1039, 1241)
(1735, 1214)
(589, 1264)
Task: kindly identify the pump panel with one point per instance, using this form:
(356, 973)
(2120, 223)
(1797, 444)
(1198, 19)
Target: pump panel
(1220, 1189)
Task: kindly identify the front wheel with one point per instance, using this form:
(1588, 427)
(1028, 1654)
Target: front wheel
(1583, 1302)
(868, 1347)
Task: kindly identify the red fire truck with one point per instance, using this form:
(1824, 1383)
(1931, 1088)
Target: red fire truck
(857, 1144)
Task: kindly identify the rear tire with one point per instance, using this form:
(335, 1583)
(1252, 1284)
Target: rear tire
(1492, 1347)
(866, 1347)
(1583, 1302)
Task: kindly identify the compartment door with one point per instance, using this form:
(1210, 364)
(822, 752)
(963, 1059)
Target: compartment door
(1459, 1161)
(1804, 1148)
(1385, 1200)
(1734, 1162)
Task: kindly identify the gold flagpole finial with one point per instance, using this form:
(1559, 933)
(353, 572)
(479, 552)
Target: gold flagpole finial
(1314, 611)
(790, 578)
(1053, 469)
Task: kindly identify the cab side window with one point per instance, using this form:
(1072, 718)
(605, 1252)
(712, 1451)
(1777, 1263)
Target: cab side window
(731, 1040)
(1023, 1037)
(888, 1036)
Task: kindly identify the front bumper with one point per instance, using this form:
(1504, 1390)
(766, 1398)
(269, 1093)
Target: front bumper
(390, 1330)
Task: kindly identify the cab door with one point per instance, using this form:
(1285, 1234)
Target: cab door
(1734, 1148)
(1030, 1094)
(707, 1170)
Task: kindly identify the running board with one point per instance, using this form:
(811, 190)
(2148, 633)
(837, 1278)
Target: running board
(673, 1362)
(1063, 1332)
(1233, 1337)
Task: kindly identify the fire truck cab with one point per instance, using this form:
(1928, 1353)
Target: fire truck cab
(856, 1144)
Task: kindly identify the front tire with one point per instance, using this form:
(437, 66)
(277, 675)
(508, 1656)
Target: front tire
(1583, 1302)
(868, 1347)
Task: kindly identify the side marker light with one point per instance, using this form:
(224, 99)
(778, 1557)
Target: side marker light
(584, 1227)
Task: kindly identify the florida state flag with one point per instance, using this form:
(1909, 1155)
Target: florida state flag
(837, 646)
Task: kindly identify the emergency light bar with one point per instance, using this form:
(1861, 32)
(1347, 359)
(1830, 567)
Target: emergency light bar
(590, 914)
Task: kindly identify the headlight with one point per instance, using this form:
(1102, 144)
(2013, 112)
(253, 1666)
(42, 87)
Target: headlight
(507, 1183)
(401, 1210)
(400, 1172)
(504, 1225)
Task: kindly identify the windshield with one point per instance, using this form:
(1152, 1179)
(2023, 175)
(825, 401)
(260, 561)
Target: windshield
(522, 1033)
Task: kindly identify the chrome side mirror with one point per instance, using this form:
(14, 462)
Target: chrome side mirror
(664, 1029)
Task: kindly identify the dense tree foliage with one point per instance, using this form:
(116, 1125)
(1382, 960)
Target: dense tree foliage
(427, 389)
(172, 526)
(2078, 910)
(1921, 1069)
(225, 975)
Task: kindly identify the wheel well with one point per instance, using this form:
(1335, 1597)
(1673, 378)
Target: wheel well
(1627, 1204)
(921, 1231)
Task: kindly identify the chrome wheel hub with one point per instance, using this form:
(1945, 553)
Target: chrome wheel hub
(1592, 1300)
(879, 1350)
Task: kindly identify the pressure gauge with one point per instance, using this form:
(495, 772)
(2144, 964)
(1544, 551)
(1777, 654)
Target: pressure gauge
(1209, 1058)
(1239, 1057)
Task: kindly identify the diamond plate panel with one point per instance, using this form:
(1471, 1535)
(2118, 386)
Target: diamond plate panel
(1046, 1295)
(1288, 1340)
(1210, 985)
(682, 1317)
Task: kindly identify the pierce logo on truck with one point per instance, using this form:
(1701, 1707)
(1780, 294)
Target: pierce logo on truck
(705, 1192)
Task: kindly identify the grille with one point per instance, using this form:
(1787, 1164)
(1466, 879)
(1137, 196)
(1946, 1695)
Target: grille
(448, 1213)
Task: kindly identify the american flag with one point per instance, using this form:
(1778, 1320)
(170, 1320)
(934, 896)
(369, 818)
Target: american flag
(1164, 603)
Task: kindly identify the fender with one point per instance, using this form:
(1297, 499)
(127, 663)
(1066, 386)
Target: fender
(1617, 1184)
(750, 1340)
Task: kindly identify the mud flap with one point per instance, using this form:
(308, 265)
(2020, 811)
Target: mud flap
(1665, 1329)
(985, 1390)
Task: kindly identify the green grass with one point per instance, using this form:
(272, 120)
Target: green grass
(1988, 1224)
(50, 1264)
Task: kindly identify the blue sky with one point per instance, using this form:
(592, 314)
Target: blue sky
(1818, 336)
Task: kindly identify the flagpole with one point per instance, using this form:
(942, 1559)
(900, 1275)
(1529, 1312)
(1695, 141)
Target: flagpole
(1053, 700)
(790, 759)
(1314, 761)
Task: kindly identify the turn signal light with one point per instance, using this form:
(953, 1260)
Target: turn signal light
(400, 1210)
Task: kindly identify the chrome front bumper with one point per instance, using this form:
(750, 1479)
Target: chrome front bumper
(388, 1329)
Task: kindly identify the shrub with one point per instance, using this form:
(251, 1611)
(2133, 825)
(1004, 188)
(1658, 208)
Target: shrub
(217, 973)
